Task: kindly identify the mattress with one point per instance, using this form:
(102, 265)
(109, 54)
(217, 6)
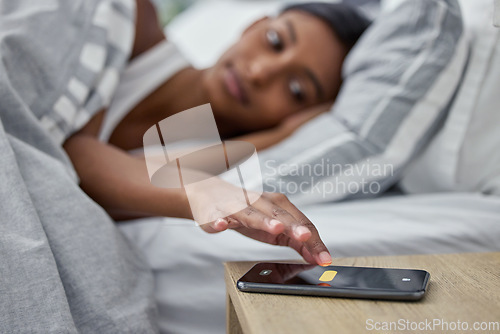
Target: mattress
(188, 263)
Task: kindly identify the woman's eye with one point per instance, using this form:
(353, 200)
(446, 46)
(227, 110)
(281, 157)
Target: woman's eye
(296, 90)
(274, 40)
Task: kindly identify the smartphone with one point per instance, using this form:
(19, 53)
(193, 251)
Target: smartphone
(335, 281)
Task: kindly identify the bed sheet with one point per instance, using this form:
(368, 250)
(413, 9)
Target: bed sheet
(188, 263)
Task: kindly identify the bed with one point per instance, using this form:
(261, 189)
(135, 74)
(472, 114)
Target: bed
(187, 263)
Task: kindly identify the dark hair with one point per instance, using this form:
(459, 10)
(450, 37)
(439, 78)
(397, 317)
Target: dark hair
(345, 20)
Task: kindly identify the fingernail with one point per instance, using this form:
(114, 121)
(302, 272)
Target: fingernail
(220, 221)
(301, 230)
(325, 259)
(274, 222)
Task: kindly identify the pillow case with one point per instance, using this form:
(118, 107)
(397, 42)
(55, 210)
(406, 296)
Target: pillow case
(464, 155)
(398, 82)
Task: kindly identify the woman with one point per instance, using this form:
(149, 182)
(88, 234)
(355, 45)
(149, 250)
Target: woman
(270, 75)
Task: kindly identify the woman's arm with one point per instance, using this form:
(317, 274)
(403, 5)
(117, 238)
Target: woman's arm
(119, 182)
(148, 31)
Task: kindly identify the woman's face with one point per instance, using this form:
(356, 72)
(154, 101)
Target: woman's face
(279, 66)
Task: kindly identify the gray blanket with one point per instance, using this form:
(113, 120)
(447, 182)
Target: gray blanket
(64, 267)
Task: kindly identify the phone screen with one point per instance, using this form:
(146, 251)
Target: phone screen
(338, 277)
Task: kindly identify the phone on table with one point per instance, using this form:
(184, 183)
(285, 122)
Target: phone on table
(335, 281)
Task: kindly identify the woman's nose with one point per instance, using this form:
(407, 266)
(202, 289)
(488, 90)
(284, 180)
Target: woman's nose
(261, 71)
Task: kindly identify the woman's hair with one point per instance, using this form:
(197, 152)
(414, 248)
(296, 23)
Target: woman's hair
(345, 20)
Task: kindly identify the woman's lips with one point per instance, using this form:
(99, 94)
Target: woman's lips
(234, 86)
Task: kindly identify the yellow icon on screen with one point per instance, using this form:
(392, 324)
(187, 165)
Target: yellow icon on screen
(328, 275)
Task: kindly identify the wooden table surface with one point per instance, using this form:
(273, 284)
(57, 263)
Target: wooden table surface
(463, 287)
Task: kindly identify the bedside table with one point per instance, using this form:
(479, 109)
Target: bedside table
(463, 295)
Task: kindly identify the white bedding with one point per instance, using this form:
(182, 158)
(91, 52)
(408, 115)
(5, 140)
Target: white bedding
(188, 262)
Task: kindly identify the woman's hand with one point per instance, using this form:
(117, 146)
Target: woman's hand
(272, 219)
